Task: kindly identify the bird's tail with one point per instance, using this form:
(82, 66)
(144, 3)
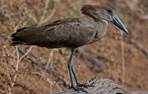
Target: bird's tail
(15, 40)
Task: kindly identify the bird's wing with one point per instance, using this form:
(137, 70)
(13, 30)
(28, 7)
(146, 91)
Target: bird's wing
(70, 31)
(67, 32)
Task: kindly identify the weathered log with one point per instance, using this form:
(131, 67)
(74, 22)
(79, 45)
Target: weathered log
(102, 86)
(139, 92)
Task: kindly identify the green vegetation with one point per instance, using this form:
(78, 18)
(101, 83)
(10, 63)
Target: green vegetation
(2, 72)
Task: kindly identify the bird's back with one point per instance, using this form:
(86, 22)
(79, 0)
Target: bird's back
(70, 32)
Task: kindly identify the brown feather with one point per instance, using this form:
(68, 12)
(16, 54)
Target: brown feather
(69, 32)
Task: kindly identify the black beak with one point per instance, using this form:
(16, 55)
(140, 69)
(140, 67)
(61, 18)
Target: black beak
(119, 24)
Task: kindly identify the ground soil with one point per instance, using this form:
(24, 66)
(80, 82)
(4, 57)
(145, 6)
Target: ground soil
(124, 62)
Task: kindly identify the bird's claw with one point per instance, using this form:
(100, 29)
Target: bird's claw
(91, 82)
(80, 88)
(83, 87)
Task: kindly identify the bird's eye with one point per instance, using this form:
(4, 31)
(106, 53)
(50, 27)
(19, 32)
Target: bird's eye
(109, 11)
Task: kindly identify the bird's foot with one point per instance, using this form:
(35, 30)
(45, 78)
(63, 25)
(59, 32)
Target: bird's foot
(83, 87)
(91, 82)
(80, 88)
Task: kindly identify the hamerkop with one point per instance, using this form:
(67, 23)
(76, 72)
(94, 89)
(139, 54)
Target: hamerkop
(70, 33)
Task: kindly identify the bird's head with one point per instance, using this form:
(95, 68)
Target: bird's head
(102, 13)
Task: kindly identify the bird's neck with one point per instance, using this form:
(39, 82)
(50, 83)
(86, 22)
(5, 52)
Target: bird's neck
(102, 28)
(105, 25)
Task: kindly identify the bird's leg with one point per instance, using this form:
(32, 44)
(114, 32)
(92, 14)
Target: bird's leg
(73, 78)
(74, 51)
(71, 61)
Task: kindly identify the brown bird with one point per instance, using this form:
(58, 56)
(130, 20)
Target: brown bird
(70, 33)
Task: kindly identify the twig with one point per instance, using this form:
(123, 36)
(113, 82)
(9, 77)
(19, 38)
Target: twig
(138, 46)
(25, 54)
(16, 68)
(29, 56)
(17, 64)
(30, 16)
(49, 17)
(2, 92)
(122, 59)
(49, 60)
(45, 9)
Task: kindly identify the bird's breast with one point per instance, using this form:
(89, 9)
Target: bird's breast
(101, 29)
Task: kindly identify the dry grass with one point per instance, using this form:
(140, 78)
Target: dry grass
(18, 75)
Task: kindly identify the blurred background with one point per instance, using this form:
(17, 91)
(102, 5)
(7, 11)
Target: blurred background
(36, 70)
